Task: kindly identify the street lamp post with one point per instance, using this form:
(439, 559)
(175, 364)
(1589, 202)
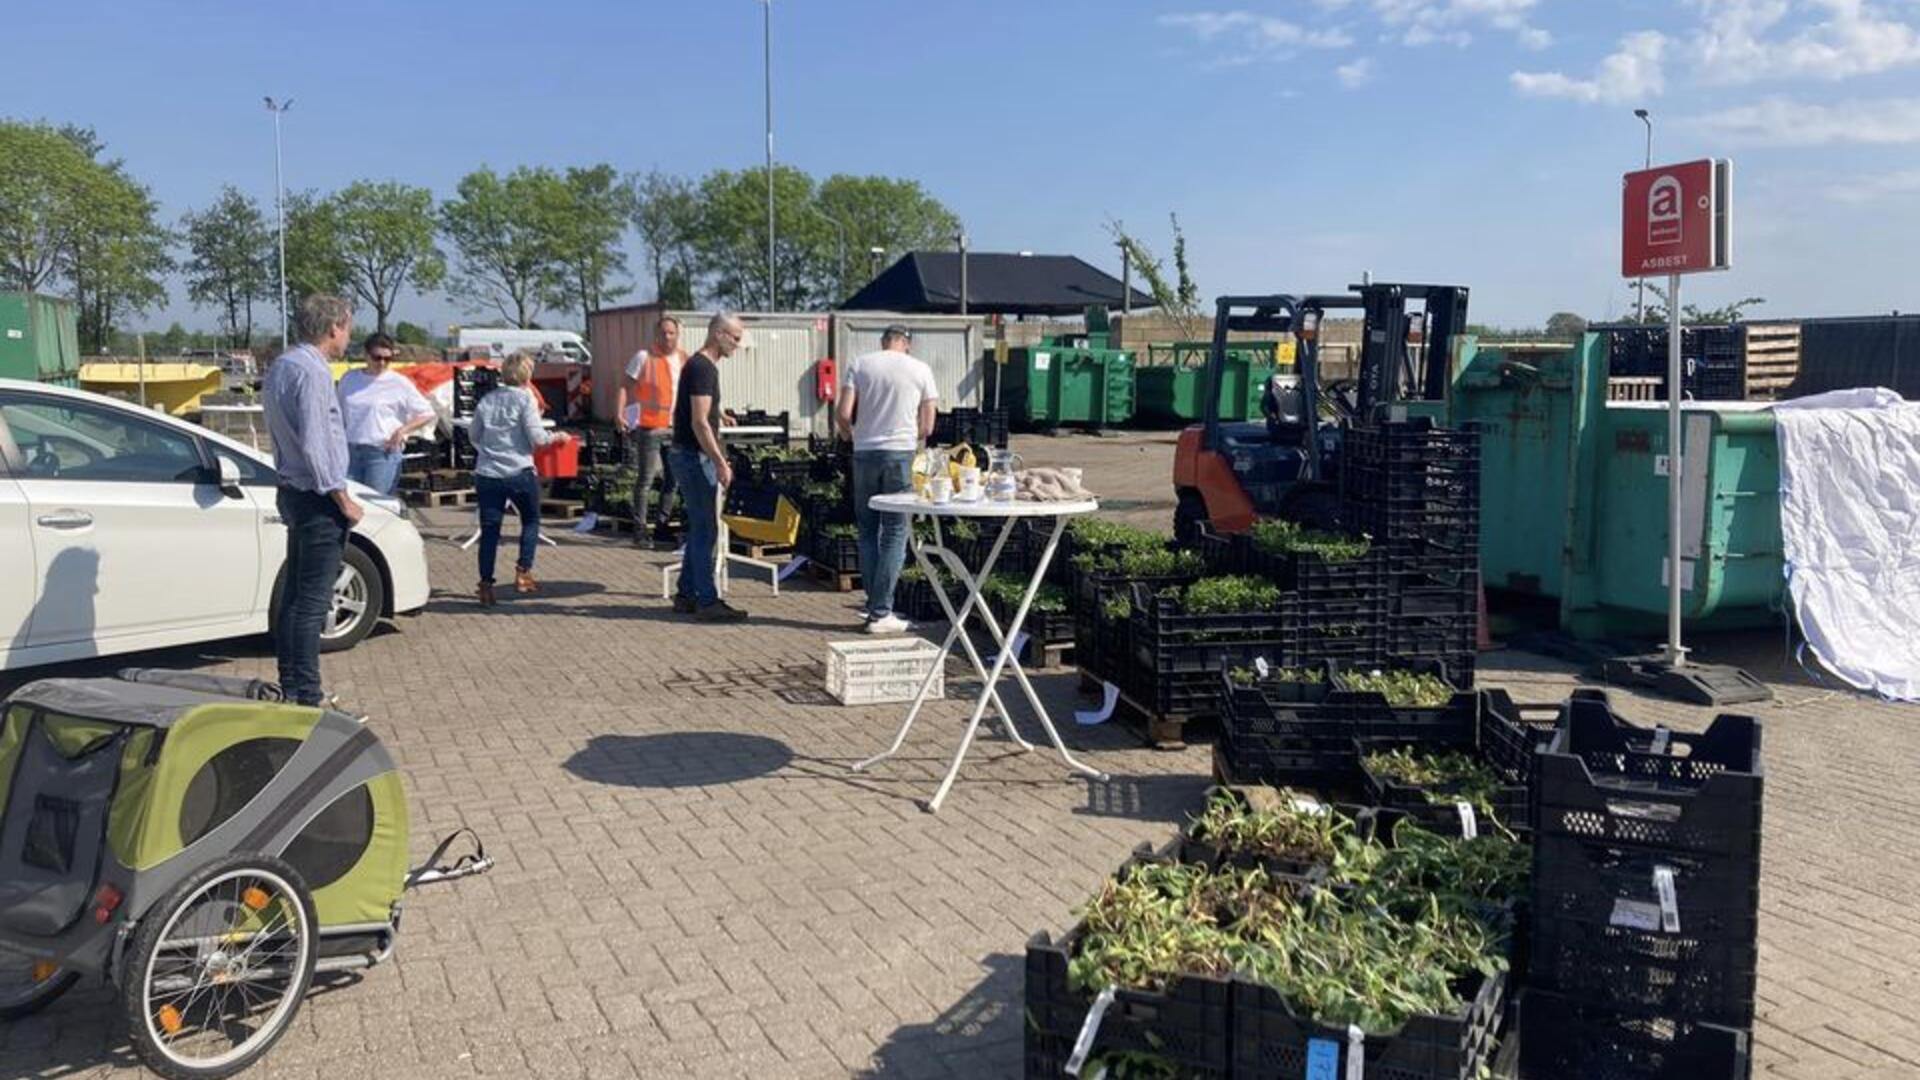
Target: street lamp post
(280, 210)
(875, 256)
(767, 8)
(1640, 284)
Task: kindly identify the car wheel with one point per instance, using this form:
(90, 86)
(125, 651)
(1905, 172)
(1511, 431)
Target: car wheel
(359, 595)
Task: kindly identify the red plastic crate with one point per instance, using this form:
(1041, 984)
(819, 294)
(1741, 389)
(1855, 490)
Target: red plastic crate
(558, 460)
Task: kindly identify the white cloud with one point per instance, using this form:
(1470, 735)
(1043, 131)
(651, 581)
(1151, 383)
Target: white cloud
(1256, 33)
(1874, 188)
(1784, 122)
(1356, 74)
(1745, 41)
(1426, 22)
(1631, 72)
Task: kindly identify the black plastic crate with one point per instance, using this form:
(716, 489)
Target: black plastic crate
(1176, 695)
(1304, 733)
(1509, 801)
(1271, 1041)
(1411, 479)
(1301, 572)
(1598, 931)
(1167, 639)
(1048, 627)
(839, 554)
(1562, 1037)
(1607, 780)
(1187, 1023)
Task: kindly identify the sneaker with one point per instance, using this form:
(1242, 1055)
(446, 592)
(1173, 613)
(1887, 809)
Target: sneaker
(683, 605)
(888, 624)
(720, 611)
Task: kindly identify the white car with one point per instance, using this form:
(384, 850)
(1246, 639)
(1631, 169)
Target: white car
(123, 529)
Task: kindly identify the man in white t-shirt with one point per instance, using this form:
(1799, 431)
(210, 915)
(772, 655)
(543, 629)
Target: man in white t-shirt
(381, 409)
(643, 411)
(893, 395)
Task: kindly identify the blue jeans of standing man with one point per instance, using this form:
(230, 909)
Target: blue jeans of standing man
(883, 537)
(316, 537)
(521, 489)
(375, 466)
(700, 494)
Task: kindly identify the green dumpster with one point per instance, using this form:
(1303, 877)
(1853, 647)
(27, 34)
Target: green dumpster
(38, 339)
(1171, 387)
(1574, 495)
(1065, 381)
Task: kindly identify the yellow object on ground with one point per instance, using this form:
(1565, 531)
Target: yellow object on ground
(176, 388)
(784, 528)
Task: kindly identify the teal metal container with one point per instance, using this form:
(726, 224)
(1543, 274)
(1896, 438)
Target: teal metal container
(39, 339)
(1574, 495)
(1171, 388)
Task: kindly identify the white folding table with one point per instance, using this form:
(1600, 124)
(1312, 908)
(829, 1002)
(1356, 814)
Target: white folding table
(911, 505)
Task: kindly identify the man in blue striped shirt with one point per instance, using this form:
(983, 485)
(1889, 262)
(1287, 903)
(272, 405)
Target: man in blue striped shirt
(310, 454)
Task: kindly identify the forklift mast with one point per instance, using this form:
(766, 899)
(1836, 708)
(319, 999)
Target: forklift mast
(1392, 343)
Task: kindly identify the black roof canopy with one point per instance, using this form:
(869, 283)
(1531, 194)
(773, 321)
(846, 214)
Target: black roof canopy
(928, 282)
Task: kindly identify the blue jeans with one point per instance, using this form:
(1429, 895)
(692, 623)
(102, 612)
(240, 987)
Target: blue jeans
(883, 537)
(316, 537)
(375, 466)
(523, 491)
(700, 493)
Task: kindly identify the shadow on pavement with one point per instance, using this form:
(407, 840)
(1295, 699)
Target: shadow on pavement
(978, 1036)
(1159, 797)
(678, 759)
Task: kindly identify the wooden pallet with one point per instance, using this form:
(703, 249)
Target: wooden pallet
(1773, 359)
(764, 552)
(1158, 732)
(437, 480)
(437, 499)
(563, 509)
(832, 579)
(1635, 388)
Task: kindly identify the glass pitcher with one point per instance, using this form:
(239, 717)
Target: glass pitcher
(1000, 482)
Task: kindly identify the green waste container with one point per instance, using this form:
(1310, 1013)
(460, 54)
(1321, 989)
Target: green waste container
(1067, 381)
(39, 340)
(1574, 496)
(1171, 387)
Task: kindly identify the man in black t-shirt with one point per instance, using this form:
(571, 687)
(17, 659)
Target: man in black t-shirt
(701, 467)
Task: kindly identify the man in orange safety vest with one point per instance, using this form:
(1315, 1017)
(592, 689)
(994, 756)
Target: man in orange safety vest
(644, 414)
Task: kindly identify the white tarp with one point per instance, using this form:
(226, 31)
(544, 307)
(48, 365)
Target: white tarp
(1850, 530)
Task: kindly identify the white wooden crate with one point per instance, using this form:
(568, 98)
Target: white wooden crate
(882, 670)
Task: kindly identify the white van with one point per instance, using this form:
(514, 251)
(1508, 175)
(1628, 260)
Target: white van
(502, 340)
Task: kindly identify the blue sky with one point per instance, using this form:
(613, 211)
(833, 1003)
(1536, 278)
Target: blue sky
(1467, 141)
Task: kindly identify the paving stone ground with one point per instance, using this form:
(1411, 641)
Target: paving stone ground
(692, 883)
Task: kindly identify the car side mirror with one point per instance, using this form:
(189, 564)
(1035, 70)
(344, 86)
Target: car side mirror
(229, 476)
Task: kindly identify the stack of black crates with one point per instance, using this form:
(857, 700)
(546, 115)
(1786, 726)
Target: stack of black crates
(975, 427)
(470, 384)
(1413, 488)
(1642, 942)
(1713, 358)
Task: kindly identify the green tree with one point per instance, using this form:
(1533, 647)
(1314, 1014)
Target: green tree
(1167, 296)
(173, 340)
(666, 214)
(407, 333)
(584, 218)
(1565, 325)
(877, 211)
(1185, 292)
(385, 237)
(232, 261)
(316, 262)
(44, 182)
(1727, 313)
(507, 262)
(118, 254)
(731, 244)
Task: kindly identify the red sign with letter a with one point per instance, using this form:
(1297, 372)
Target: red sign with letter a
(1673, 220)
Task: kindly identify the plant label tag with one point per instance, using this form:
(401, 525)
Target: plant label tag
(1083, 1045)
(1469, 825)
(1669, 899)
(1261, 667)
(1661, 739)
(1309, 806)
(1635, 915)
(1323, 1059)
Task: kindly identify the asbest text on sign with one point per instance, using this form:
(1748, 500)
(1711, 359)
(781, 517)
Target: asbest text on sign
(1675, 219)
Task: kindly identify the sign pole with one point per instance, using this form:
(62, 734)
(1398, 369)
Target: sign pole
(1676, 654)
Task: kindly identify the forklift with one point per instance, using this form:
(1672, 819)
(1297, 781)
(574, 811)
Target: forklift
(1231, 474)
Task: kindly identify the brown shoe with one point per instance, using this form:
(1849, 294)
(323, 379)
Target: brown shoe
(486, 594)
(523, 582)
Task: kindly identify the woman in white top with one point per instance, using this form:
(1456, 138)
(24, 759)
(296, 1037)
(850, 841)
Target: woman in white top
(380, 409)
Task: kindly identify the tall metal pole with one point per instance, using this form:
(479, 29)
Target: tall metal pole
(280, 209)
(1126, 278)
(1676, 654)
(1640, 284)
(961, 239)
(767, 6)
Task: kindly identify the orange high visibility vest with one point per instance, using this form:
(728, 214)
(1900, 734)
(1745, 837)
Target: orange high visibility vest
(654, 392)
